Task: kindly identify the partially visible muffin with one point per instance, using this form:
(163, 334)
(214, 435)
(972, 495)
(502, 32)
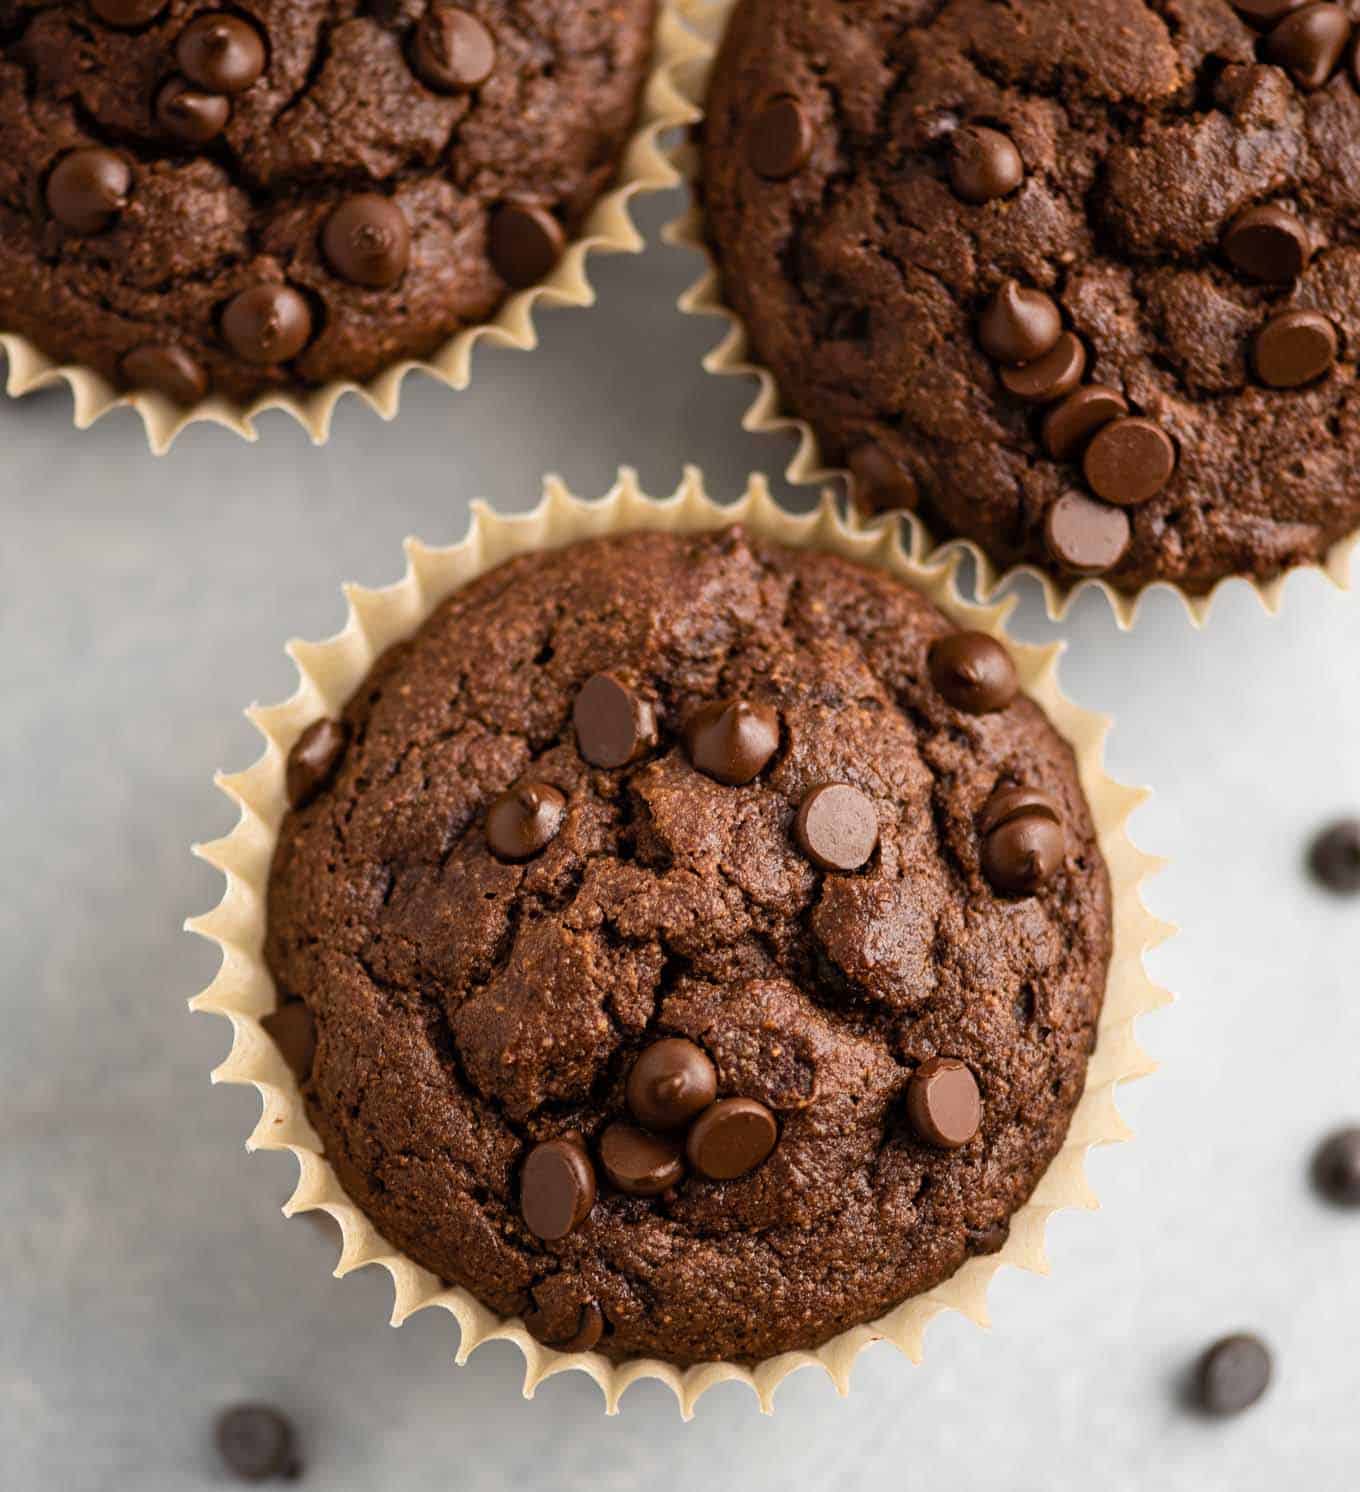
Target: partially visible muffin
(216, 199)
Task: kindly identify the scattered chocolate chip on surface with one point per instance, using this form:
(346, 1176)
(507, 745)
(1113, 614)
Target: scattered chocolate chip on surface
(313, 761)
(522, 822)
(167, 370)
(127, 14)
(1051, 377)
(1334, 856)
(267, 324)
(191, 115)
(1022, 840)
(452, 51)
(1019, 325)
(1086, 537)
(944, 1105)
(1069, 425)
(1308, 43)
(983, 164)
(526, 241)
(257, 1443)
(88, 189)
(731, 1138)
(1129, 461)
(367, 241)
(1268, 244)
(973, 671)
(671, 1081)
(881, 483)
(837, 827)
(732, 740)
(221, 53)
(589, 1330)
(1233, 1374)
(556, 1188)
(779, 139)
(640, 1164)
(1336, 1168)
(1294, 348)
(614, 725)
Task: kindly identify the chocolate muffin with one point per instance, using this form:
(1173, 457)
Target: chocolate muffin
(1077, 279)
(203, 199)
(690, 945)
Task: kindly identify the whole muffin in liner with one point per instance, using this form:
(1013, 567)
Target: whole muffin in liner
(244, 992)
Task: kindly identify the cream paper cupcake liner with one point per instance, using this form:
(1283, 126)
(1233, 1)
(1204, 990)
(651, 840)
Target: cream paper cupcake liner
(706, 21)
(331, 672)
(609, 228)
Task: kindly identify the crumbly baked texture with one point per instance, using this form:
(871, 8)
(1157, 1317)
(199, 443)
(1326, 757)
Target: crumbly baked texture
(340, 110)
(467, 1008)
(1144, 129)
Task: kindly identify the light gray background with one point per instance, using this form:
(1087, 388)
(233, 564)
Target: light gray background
(146, 1276)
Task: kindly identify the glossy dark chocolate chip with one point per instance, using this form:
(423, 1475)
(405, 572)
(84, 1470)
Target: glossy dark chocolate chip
(640, 1164)
(837, 826)
(189, 114)
(1019, 325)
(1022, 839)
(1085, 536)
(944, 1106)
(973, 672)
(451, 50)
(522, 823)
(525, 243)
(221, 53)
(267, 324)
(880, 481)
(88, 189)
(556, 1189)
(671, 1082)
(292, 1029)
(1334, 856)
(1266, 12)
(731, 1138)
(314, 759)
(1050, 377)
(779, 138)
(1007, 803)
(163, 368)
(1336, 1168)
(589, 1330)
(983, 164)
(732, 740)
(1294, 348)
(1233, 1375)
(127, 14)
(367, 241)
(1267, 243)
(1129, 461)
(614, 725)
(257, 1443)
(1072, 423)
(1308, 43)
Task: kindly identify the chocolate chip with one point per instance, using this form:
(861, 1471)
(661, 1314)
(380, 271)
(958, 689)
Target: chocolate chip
(837, 826)
(127, 14)
(521, 823)
(88, 189)
(165, 369)
(973, 672)
(367, 241)
(1007, 803)
(944, 1106)
(779, 138)
(257, 1443)
(1266, 12)
(1336, 1168)
(1022, 840)
(983, 164)
(732, 740)
(1086, 537)
(556, 1189)
(190, 115)
(880, 481)
(1294, 348)
(589, 1330)
(1334, 856)
(221, 53)
(1050, 377)
(640, 1164)
(1267, 243)
(267, 324)
(1308, 43)
(313, 760)
(1019, 325)
(1129, 461)
(1068, 427)
(1233, 1375)
(451, 50)
(614, 726)
(731, 1138)
(671, 1082)
(292, 1029)
(525, 243)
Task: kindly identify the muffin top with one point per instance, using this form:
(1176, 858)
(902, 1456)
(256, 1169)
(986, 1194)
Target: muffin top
(202, 199)
(692, 945)
(1079, 279)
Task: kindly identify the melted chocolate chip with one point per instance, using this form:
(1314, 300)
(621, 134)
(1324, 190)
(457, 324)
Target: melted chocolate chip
(614, 726)
(944, 1106)
(837, 827)
(1267, 243)
(1068, 427)
(257, 1443)
(731, 1138)
(1019, 325)
(640, 1164)
(525, 243)
(973, 672)
(983, 164)
(367, 241)
(1293, 349)
(556, 1189)
(522, 823)
(221, 53)
(314, 759)
(451, 50)
(292, 1029)
(1309, 42)
(779, 138)
(732, 740)
(1050, 377)
(671, 1082)
(267, 324)
(1129, 461)
(163, 368)
(88, 189)
(189, 114)
(1233, 1375)
(1084, 536)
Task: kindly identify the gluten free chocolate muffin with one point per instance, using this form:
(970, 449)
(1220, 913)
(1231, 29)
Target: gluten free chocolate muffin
(282, 193)
(1077, 279)
(690, 945)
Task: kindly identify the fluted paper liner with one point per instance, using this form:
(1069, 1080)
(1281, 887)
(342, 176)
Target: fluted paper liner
(332, 671)
(609, 228)
(732, 357)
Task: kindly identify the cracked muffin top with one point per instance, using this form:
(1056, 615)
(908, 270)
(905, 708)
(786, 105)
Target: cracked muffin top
(202, 199)
(1076, 279)
(690, 945)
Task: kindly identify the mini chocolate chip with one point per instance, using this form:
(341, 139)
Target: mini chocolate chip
(313, 760)
(1308, 43)
(221, 53)
(1233, 1374)
(837, 826)
(1129, 461)
(880, 481)
(973, 672)
(670, 1083)
(165, 369)
(127, 14)
(521, 823)
(367, 241)
(451, 50)
(983, 164)
(88, 189)
(732, 740)
(779, 138)
(589, 1330)
(1266, 12)
(1019, 325)
(614, 726)
(257, 1443)
(640, 1164)
(1007, 803)
(1084, 536)
(1294, 348)
(267, 324)
(1267, 243)
(292, 1029)
(1019, 855)
(190, 115)
(556, 1189)
(1336, 1168)
(525, 243)
(944, 1105)
(1334, 856)
(731, 1138)
(1068, 427)
(1050, 377)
